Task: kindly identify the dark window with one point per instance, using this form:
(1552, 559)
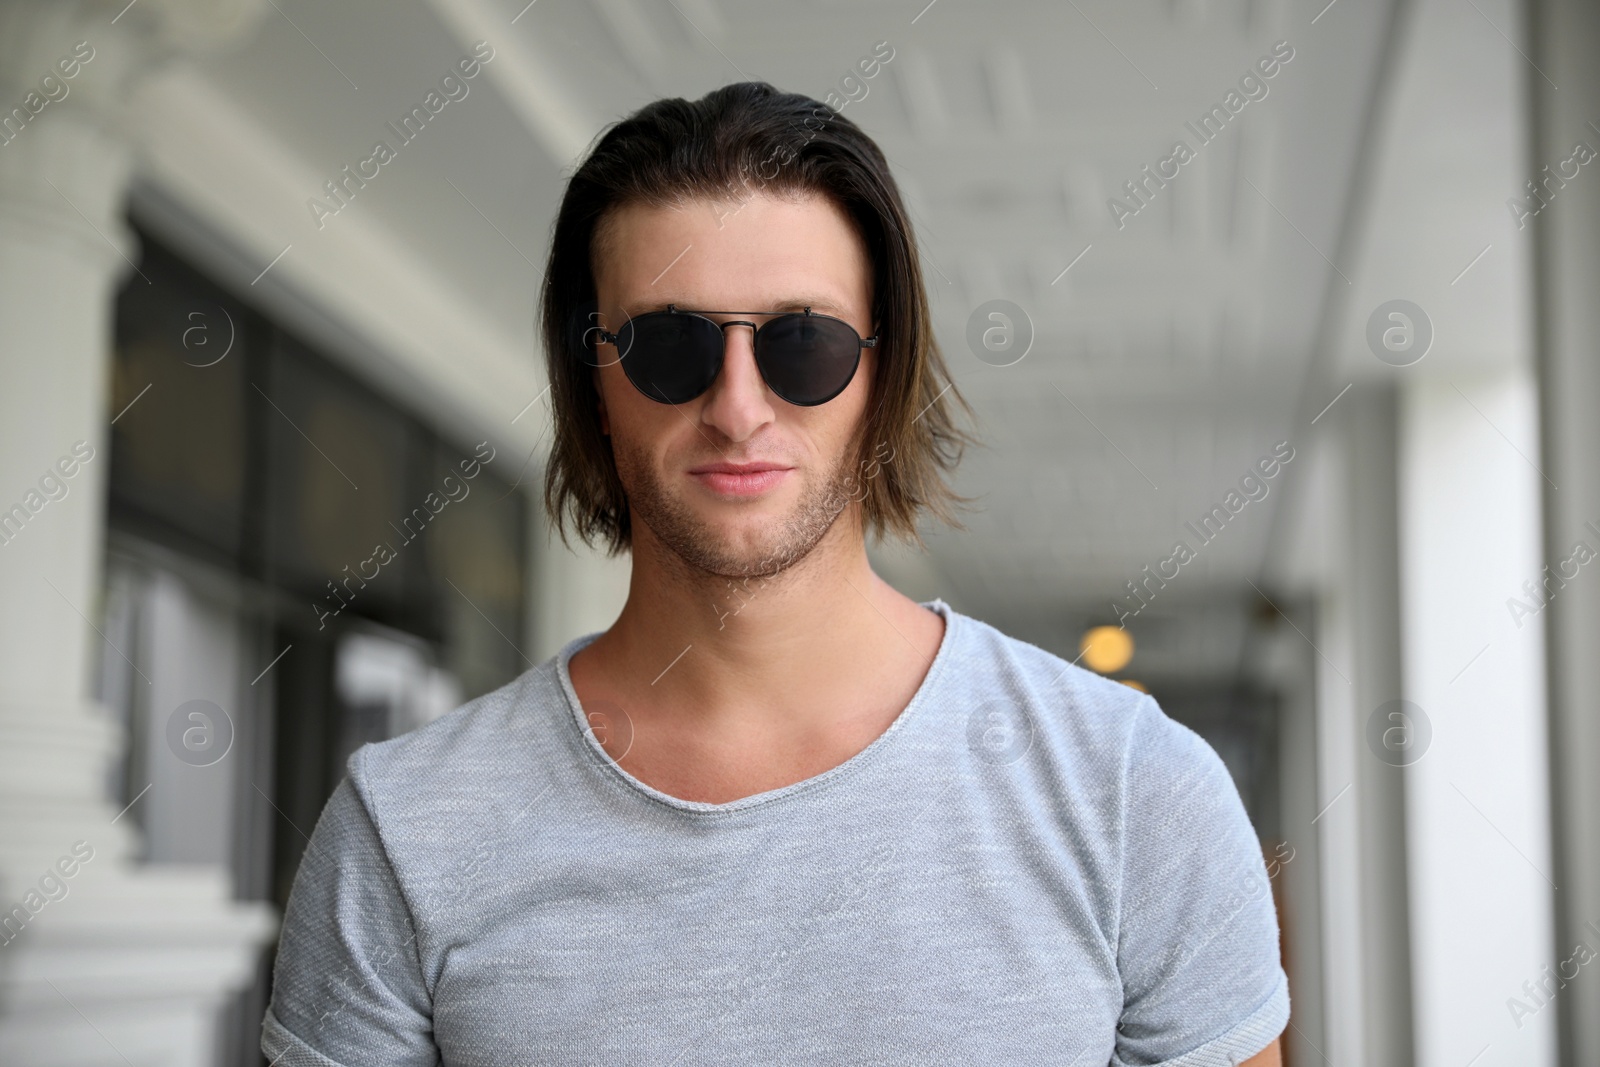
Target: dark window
(375, 566)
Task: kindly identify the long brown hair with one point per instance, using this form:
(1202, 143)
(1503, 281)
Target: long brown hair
(741, 138)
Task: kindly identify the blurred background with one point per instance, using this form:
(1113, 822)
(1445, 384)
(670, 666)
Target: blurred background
(1291, 426)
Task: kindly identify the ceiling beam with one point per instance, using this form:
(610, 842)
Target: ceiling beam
(550, 109)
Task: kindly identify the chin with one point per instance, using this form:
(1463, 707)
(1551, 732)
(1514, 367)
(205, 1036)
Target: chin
(753, 532)
(731, 536)
(753, 542)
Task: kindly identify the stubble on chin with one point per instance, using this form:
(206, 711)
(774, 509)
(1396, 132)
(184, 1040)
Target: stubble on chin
(702, 550)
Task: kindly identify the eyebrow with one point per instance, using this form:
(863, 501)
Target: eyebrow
(818, 304)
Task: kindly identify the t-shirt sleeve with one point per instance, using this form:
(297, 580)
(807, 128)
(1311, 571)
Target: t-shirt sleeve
(347, 986)
(1197, 947)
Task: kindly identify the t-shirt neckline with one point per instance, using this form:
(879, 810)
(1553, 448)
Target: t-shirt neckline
(699, 807)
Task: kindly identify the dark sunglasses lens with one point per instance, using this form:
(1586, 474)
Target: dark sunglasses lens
(808, 359)
(670, 358)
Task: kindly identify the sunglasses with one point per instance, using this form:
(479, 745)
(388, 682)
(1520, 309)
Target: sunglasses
(673, 356)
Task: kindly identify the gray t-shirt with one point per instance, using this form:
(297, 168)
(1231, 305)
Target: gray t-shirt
(1032, 865)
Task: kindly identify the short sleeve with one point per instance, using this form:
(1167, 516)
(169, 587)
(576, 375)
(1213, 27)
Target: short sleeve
(1202, 978)
(347, 985)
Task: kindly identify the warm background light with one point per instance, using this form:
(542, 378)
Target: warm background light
(1106, 648)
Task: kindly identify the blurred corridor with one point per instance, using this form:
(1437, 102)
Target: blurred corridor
(1279, 316)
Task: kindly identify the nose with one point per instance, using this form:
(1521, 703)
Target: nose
(737, 403)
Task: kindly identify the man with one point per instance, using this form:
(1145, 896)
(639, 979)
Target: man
(778, 812)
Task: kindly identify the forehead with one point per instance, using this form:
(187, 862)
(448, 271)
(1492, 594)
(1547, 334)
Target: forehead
(761, 253)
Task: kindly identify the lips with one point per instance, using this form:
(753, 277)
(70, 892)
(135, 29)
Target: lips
(740, 479)
(737, 468)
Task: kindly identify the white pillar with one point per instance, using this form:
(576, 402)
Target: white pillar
(1477, 802)
(1368, 590)
(1563, 39)
(110, 962)
(575, 590)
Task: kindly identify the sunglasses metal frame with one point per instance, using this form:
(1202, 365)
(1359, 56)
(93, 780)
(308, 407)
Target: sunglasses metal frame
(606, 337)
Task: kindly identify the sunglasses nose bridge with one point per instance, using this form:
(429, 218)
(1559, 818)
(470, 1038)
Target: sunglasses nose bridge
(723, 327)
(728, 345)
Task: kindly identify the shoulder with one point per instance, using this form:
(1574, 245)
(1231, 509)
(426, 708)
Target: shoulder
(1092, 719)
(1109, 750)
(462, 760)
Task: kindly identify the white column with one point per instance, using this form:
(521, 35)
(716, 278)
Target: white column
(1477, 801)
(574, 591)
(1339, 754)
(1563, 40)
(111, 962)
(1342, 546)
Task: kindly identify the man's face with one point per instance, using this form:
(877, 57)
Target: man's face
(767, 255)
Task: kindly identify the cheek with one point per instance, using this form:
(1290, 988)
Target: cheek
(831, 438)
(624, 410)
(640, 429)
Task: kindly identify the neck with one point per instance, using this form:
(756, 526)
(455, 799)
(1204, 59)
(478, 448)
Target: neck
(699, 645)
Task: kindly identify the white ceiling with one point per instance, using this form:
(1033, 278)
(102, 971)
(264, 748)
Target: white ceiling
(1184, 340)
